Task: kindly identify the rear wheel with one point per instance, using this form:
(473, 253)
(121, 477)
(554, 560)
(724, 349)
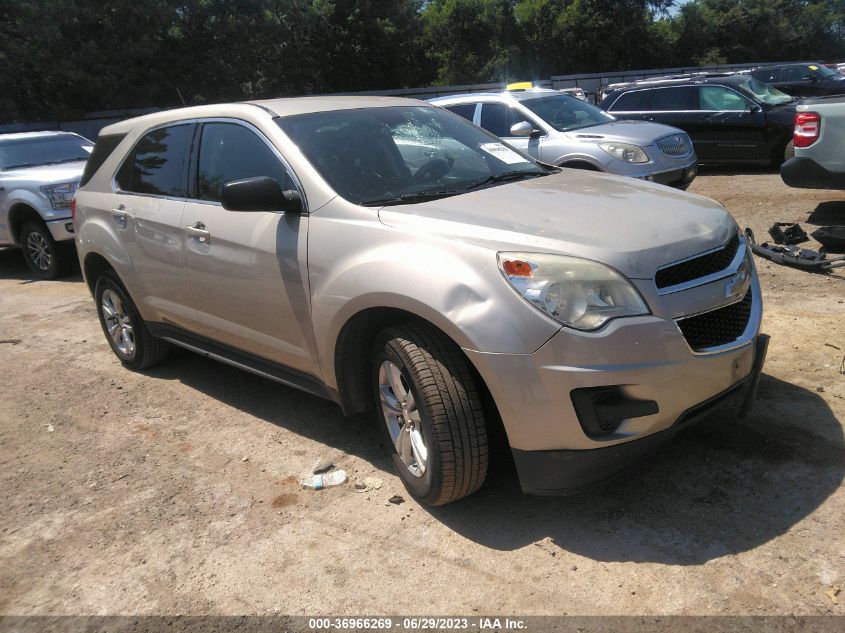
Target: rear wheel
(429, 409)
(127, 334)
(45, 257)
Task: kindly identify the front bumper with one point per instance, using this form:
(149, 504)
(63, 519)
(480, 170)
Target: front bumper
(805, 173)
(572, 471)
(657, 384)
(679, 178)
(61, 229)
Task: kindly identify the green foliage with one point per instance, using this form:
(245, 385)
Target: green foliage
(62, 58)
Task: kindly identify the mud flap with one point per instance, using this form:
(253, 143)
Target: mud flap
(761, 347)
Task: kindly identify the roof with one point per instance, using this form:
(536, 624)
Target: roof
(25, 135)
(277, 107)
(517, 95)
(679, 80)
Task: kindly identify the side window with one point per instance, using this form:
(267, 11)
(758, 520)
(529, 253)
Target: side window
(674, 99)
(157, 164)
(637, 101)
(722, 99)
(466, 110)
(795, 73)
(228, 152)
(768, 75)
(498, 118)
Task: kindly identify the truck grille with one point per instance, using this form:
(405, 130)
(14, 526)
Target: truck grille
(718, 327)
(675, 145)
(698, 266)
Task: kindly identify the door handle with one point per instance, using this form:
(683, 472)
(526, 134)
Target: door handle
(120, 216)
(198, 231)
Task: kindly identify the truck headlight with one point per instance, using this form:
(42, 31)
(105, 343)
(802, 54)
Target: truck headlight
(576, 292)
(625, 152)
(60, 195)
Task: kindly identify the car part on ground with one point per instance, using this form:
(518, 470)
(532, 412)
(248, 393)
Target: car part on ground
(832, 238)
(39, 173)
(805, 258)
(819, 136)
(792, 234)
(393, 258)
(567, 131)
(730, 117)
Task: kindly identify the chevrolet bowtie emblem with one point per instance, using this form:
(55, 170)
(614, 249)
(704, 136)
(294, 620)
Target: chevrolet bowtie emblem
(738, 284)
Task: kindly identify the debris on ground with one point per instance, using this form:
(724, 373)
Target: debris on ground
(368, 484)
(832, 593)
(327, 480)
(321, 466)
(396, 500)
(50, 428)
(547, 545)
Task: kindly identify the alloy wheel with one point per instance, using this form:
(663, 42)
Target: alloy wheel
(402, 418)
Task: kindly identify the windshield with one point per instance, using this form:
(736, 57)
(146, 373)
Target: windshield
(402, 154)
(763, 93)
(43, 150)
(824, 71)
(566, 113)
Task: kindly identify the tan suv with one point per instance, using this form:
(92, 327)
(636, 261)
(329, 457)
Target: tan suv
(387, 254)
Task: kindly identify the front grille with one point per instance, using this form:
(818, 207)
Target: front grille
(718, 327)
(698, 266)
(675, 145)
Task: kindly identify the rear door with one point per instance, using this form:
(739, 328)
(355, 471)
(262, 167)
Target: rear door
(247, 270)
(796, 81)
(149, 198)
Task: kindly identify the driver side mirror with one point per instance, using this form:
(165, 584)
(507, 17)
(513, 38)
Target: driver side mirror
(753, 107)
(523, 128)
(259, 194)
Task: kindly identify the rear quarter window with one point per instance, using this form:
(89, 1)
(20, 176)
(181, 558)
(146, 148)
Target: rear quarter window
(637, 101)
(103, 148)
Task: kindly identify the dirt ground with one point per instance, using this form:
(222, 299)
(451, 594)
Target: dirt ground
(175, 491)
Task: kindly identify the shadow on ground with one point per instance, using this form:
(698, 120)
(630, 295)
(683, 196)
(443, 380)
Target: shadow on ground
(12, 266)
(705, 169)
(723, 487)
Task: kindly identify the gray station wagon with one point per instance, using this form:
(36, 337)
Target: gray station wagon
(390, 256)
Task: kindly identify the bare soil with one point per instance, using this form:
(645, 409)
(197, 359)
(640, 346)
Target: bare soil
(174, 491)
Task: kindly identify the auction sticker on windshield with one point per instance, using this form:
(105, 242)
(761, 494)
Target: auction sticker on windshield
(504, 154)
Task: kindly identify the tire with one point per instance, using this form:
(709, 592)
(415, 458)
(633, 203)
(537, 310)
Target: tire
(127, 334)
(789, 151)
(440, 407)
(45, 257)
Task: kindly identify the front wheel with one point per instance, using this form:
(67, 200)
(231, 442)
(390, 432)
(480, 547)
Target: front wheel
(45, 257)
(430, 411)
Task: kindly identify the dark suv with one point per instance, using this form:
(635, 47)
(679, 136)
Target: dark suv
(802, 80)
(730, 117)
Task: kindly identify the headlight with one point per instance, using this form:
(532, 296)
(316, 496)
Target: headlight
(60, 195)
(580, 293)
(625, 152)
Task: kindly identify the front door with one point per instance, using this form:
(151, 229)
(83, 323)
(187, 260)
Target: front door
(498, 118)
(729, 126)
(247, 270)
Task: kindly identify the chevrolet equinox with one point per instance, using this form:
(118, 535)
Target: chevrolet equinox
(388, 255)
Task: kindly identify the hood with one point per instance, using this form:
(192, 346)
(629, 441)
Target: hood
(636, 132)
(46, 174)
(631, 225)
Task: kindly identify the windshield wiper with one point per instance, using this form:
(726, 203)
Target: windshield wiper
(407, 198)
(24, 165)
(507, 175)
(64, 160)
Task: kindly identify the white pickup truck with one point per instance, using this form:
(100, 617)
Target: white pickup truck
(39, 174)
(819, 161)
